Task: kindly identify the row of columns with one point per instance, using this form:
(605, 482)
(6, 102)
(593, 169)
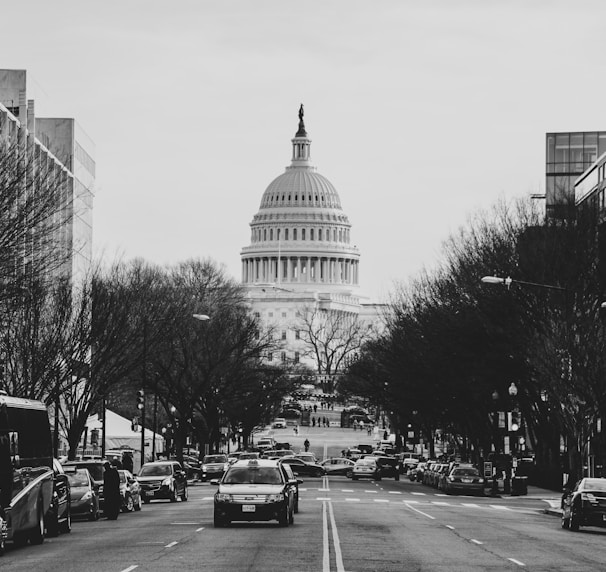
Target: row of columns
(300, 269)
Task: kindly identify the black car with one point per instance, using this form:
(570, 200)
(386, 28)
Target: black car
(254, 490)
(389, 467)
(162, 480)
(95, 468)
(301, 467)
(290, 476)
(585, 505)
(58, 516)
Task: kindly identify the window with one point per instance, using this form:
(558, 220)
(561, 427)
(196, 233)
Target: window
(296, 357)
(270, 356)
(284, 314)
(294, 234)
(283, 356)
(270, 314)
(283, 334)
(311, 234)
(257, 314)
(303, 234)
(286, 234)
(297, 335)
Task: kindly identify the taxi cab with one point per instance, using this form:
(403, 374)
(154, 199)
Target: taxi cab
(255, 490)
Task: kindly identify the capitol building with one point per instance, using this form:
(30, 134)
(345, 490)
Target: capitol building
(301, 270)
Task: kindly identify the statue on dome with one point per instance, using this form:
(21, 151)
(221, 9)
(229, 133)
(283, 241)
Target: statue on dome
(301, 113)
(301, 132)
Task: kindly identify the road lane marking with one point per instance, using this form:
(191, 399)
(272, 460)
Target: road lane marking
(516, 562)
(323, 498)
(171, 544)
(395, 493)
(353, 500)
(347, 490)
(335, 541)
(470, 505)
(419, 494)
(475, 541)
(325, 553)
(199, 529)
(440, 503)
(323, 490)
(190, 523)
(380, 500)
(130, 568)
(450, 527)
(419, 511)
(372, 492)
(498, 507)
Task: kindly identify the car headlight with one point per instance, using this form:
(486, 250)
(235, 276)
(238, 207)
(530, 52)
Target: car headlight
(87, 496)
(223, 497)
(225, 466)
(204, 468)
(167, 482)
(275, 498)
(589, 498)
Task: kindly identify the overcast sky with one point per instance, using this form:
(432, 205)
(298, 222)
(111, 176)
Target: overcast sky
(421, 113)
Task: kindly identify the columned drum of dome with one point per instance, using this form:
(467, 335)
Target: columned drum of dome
(300, 236)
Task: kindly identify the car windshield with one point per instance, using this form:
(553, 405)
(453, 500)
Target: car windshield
(595, 485)
(155, 470)
(215, 459)
(96, 470)
(365, 462)
(252, 476)
(465, 472)
(78, 479)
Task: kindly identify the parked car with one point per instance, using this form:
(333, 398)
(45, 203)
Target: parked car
(366, 468)
(95, 468)
(130, 491)
(266, 443)
(462, 479)
(308, 457)
(249, 455)
(192, 466)
(254, 490)
(585, 504)
(162, 480)
(338, 466)
(295, 481)
(83, 493)
(415, 473)
(278, 453)
(301, 467)
(58, 516)
(353, 454)
(213, 466)
(279, 423)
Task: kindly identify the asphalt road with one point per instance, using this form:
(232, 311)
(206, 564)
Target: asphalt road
(342, 525)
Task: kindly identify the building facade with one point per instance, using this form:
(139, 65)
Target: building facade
(301, 269)
(62, 144)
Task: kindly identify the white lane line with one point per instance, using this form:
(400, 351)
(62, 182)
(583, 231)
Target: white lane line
(450, 527)
(470, 505)
(199, 529)
(440, 503)
(419, 494)
(419, 511)
(516, 562)
(326, 554)
(380, 500)
(171, 544)
(323, 498)
(347, 490)
(395, 493)
(323, 490)
(130, 568)
(372, 492)
(411, 502)
(353, 500)
(335, 541)
(190, 523)
(499, 507)
(475, 541)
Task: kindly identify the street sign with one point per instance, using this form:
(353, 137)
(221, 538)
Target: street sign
(487, 469)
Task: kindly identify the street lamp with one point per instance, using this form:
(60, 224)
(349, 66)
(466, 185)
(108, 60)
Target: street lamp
(199, 317)
(509, 281)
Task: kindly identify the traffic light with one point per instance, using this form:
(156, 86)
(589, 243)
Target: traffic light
(134, 424)
(140, 399)
(513, 418)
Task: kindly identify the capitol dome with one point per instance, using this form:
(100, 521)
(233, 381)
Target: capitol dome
(300, 235)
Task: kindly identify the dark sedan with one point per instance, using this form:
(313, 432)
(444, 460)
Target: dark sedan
(585, 505)
(58, 517)
(303, 468)
(162, 480)
(84, 495)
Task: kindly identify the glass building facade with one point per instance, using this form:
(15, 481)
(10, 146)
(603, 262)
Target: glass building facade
(568, 155)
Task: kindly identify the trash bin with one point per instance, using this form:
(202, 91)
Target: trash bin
(519, 486)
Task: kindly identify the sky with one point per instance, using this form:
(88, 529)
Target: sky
(421, 114)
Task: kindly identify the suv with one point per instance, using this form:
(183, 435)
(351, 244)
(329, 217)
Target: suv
(255, 490)
(213, 466)
(279, 423)
(162, 480)
(389, 467)
(266, 443)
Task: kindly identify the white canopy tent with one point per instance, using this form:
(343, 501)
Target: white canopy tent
(119, 435)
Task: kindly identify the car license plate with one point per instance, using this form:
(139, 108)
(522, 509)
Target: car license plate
(248, 508)
(604, 517)
(467, 480)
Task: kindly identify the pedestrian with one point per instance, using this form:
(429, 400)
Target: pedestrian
(306, 445)
(315, 407)
(111, 491)
(127, 461)
(117, 463)
(313, 421)
(385, 435)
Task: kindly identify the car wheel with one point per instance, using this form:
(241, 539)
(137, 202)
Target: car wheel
(284, 517)
(291, 517)
(2, 544)
(52, 523)
(565, 522)
(94, 514)
(138, 503)
(173, 495)
(348, 473)
(36, 536)
(574, 523)
(66, 527)
(397, 476)
(184, 495)
(128, 505)
(296, 509)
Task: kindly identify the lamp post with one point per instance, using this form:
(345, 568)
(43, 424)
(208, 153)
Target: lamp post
(146, 322)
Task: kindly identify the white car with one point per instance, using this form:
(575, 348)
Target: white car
(279, 423)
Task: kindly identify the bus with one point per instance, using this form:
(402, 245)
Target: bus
(26, 468)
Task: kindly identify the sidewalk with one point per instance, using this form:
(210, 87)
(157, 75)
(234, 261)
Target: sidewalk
(552, 498)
